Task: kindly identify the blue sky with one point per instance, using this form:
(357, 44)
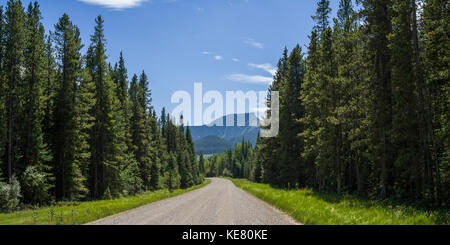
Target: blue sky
(225, 44)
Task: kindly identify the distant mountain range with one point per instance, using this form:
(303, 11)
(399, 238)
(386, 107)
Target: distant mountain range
(211, 139)
(212, 144)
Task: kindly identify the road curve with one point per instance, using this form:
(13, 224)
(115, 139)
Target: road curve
(219, 203)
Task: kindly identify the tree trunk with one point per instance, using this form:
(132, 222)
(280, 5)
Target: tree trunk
(10, 132)
(358, 176)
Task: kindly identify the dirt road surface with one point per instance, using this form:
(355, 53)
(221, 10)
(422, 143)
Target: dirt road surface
(219, 203)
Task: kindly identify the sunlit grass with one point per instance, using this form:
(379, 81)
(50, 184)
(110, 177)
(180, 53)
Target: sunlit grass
(312, 208)
(85, 212)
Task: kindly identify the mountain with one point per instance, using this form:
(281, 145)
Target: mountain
(212, 144)
(229, 135)
(250, 119)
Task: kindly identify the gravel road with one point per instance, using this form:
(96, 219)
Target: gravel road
(219, 203)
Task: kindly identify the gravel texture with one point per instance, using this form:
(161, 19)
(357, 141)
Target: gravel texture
(219, 203)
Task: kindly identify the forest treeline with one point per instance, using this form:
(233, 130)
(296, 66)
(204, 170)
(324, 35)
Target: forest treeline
(365, 111)
(72, 126)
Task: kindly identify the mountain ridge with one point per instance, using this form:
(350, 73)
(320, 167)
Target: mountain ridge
(232, 134)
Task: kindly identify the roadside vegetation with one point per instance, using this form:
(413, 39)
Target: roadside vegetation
(75, 127)
(313, 208)
(363, 110)
(76, 213)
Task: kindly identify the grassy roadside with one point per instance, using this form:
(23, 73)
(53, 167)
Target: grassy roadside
(88, 211)
(311, 208)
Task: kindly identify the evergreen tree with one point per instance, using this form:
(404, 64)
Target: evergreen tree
(3, 124)
(84, 120)
(121, 80)
(49, 83)
(15, 43)
(270, 146)
(35, 152)
(139, 127)
(202, 164)
(322, 16)
(64, 127)
(173, 180)
(106, 148)
(156, 151)
(351, 92)
(290, 109)
(377, 16)
(187, 178)
(319, 97)
(435, 26)
(309, 97)
(258, 172)
(164, 123)
(171, 135)
(192, 157)
(407, 166)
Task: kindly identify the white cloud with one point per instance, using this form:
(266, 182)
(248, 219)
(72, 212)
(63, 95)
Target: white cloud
(266, 67)
(250, 79)
(216, 57)
(115, 4)
(235, 59)
(254, 43)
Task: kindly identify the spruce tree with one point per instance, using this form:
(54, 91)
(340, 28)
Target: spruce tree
(164, 123)
(319, 97)
(187, 178)
(49, 85)
(106, 147)
(377, 16)
(407, 166)
(202, 164)
(270, 146)
(258, 172)
(173, 179)
(64, 127)
(322, 16)
(193, 157)
(435, 26)
(35, 151)
(291, 167)
(309, 97)
(156, 151)
(351, 90)
(3, 124)
(170, 135)
(140, 130)
(15, 43)
(84, 120)
(121, 80)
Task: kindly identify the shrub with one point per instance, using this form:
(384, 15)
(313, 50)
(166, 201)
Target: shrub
(131, 180)
(107, 195)
(227, 173)
(35, 188)
(10, 196)
(173, 179)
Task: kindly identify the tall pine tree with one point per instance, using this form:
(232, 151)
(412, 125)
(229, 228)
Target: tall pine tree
(64, 128)
(15, 43)
(106, 148)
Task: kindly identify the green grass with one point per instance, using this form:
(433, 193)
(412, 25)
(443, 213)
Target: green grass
(84, 212)
(312, 208)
